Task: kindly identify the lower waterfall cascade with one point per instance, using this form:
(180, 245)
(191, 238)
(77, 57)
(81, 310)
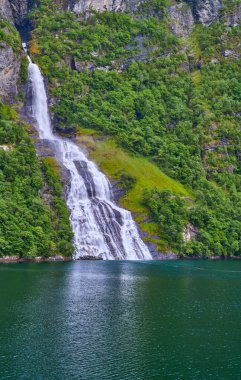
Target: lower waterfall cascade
(101, 228)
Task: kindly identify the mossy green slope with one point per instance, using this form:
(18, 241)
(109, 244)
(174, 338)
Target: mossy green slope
(117, 164)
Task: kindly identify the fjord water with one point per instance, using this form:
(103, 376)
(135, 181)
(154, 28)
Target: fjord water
(101, 228)
(121, 320)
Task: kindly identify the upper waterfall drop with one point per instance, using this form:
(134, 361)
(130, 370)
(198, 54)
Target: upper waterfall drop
(101, 228)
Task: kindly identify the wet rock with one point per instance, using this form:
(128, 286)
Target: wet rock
(89, 258)
(82, 168)
(117, 190)
(151, 246)
(9, 259)
(45, 148)
(166, 256)
(81, 164)
(118, 217)
(17, 259)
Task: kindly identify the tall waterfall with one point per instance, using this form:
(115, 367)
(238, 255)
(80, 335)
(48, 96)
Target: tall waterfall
(101, 228)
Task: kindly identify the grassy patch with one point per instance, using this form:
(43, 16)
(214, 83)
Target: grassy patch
(115, 162)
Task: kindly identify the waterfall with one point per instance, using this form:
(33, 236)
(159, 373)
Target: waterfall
(101, 228)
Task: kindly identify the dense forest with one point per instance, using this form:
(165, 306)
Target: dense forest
(173, 99)
(31, 224)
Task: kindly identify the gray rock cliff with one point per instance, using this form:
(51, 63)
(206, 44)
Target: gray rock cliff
(183, 15)
(181, 19)
(206, 11)
(9, 71)
(6, 11)
(19, 10)
(81, 6)
(10, 61)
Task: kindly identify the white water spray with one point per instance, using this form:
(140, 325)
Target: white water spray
(101, 228)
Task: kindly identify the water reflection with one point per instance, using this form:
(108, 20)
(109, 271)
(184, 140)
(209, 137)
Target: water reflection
(102, 315)
(120, 320)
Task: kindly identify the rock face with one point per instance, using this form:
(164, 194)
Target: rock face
(9, 71)
(9, 60)
(190, 233)
(181, 19)
(206, 11)
(203, 10)
(19, 10)
(6, 11)
(234, 19)
(81, 6)
(99, 5)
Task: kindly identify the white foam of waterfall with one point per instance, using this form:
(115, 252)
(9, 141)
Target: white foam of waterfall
(101, 228)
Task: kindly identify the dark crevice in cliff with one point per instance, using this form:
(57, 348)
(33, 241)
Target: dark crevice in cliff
(24, 30)
(20, 10)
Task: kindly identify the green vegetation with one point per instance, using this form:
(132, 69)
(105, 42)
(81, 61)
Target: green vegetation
(23, 74)
(133, 173)
(175, 102)
(29, 227)
(170, 213)
(9, 35)
(117, 163)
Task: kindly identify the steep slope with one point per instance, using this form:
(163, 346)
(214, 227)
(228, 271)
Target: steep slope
(163, 82)
(163, 95)
(10, 53)
(34, 218)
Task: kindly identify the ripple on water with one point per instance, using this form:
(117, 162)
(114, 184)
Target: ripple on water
(120, 320)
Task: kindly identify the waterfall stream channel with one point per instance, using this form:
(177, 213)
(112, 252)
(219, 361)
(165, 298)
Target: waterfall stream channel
(101, 228)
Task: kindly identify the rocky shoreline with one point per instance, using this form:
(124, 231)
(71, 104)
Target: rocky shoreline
(161, 257)
(17, 259)
(57, 258)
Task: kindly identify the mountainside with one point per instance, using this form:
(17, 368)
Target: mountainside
(33, 216)
(149, 84)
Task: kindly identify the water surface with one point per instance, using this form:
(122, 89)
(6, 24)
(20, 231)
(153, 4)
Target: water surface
(120, 320)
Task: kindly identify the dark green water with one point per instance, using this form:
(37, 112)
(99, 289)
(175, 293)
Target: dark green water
(121, 320)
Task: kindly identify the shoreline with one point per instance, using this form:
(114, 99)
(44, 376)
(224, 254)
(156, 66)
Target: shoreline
(15, 259)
